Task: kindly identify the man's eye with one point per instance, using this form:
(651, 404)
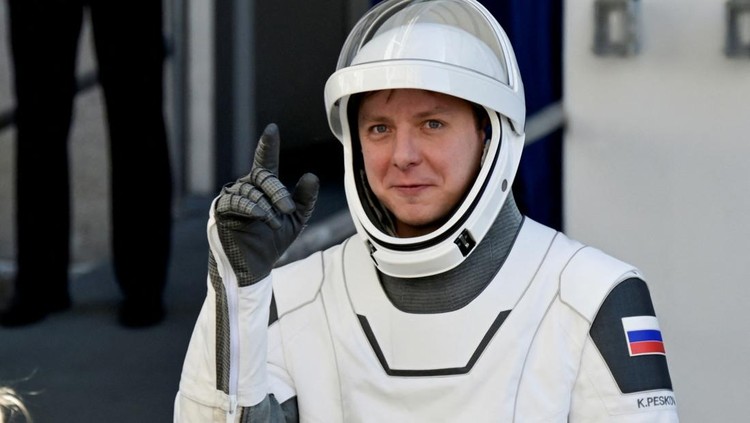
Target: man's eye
(379, 129)
(434, 124)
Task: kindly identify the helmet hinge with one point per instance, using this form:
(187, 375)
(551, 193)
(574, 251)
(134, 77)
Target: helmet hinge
(465, 242)
(372, 251)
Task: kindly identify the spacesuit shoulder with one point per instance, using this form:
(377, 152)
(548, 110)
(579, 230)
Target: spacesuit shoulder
(297, 283)
(588, 277)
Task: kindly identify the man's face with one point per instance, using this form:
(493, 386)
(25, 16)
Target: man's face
(422, 151)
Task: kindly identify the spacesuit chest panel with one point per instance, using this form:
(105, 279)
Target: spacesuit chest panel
(449, 343)
(465, 365)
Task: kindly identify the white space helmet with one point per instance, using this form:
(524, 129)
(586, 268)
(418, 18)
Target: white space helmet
(454, 47)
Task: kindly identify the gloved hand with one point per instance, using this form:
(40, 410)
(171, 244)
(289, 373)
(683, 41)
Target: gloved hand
(257, 218)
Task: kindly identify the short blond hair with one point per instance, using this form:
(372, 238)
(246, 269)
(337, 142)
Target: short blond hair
(11, 405)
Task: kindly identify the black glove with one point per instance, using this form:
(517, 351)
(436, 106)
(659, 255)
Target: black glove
(257, 218)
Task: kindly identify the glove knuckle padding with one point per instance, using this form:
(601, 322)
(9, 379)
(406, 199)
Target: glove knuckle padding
(247, 190)
(273, 189)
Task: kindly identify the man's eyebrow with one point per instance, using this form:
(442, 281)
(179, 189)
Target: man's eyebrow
(437, 110)
(371, 117)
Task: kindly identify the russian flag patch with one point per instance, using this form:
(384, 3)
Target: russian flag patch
(643, 335)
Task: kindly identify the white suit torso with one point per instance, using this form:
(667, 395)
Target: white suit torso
(519, 352)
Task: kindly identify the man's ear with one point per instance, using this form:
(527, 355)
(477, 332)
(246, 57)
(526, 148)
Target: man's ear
(483, 121)
(486, 129)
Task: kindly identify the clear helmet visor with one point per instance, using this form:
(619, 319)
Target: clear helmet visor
(445, 31)
(454, 47)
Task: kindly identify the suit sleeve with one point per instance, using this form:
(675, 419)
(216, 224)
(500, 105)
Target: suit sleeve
(624, 375)
(225, 375)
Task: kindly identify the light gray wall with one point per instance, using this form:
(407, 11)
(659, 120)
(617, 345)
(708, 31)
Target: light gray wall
(656, 174)
(199, 95)
(6, 150)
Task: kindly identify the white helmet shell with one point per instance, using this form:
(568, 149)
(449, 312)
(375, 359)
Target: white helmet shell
(454, 47)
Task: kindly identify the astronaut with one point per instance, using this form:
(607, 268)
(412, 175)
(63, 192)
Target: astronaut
(448, 305)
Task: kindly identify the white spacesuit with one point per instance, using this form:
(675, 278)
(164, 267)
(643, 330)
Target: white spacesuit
(490, 317)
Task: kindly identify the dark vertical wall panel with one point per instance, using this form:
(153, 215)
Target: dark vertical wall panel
(535, 30)
(298, 43)
(223, 100)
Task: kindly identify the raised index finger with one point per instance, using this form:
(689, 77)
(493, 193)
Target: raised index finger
(267, 152)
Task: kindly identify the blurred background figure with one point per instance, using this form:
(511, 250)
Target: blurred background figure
(12, 406)
(129, 46)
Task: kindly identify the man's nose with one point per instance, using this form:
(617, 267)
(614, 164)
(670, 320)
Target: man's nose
(406, 151)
